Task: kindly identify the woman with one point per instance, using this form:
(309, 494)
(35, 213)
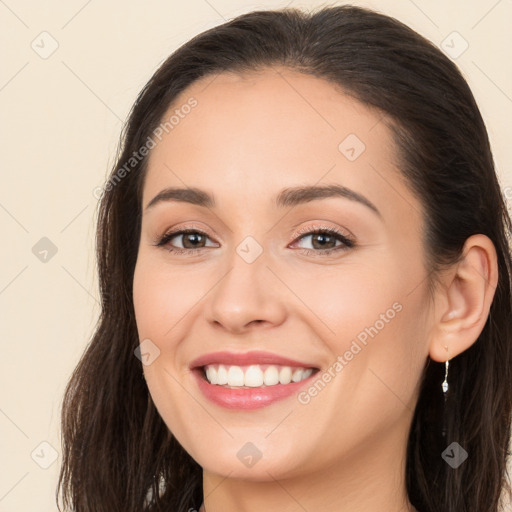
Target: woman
(303, 246)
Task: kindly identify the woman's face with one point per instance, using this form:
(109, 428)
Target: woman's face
(351, 305)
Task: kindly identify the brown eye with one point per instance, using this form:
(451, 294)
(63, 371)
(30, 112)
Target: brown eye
(324, 241)
(191, 240)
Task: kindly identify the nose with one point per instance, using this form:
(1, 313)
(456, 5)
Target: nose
(246, 295)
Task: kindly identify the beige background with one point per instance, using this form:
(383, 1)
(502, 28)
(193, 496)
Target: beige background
(61, 119)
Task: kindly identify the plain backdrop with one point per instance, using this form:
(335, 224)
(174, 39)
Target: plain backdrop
(70, 73)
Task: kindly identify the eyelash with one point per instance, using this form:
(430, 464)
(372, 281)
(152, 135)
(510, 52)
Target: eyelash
(302, 233)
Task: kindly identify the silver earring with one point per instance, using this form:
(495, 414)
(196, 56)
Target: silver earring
(445, 382)
(444, 387)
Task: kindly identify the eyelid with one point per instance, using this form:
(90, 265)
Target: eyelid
(179, 230)
(322, 227)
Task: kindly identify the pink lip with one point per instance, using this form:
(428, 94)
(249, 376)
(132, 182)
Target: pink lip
(247, 358)
(247, 398)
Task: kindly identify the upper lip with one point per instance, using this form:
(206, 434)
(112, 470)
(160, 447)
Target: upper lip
(246, 358)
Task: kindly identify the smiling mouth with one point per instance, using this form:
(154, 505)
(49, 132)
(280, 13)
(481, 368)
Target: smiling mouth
(254, 375)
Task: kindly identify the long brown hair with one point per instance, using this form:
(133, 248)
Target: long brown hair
(118, 454)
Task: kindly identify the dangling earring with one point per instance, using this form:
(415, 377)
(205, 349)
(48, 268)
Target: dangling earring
(444, 387)
(445, 382)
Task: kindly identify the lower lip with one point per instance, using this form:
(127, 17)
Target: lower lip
(247, 398)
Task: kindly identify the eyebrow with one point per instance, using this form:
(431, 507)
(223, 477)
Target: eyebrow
(290, 196)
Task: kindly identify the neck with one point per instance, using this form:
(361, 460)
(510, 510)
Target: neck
(371, 478)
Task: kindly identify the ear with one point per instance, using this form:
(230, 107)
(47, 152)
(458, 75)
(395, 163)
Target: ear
(464, 302)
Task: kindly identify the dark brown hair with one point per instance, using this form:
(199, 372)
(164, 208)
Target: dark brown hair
(116, 447)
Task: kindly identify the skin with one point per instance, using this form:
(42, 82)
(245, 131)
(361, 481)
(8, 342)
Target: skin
(250, 136)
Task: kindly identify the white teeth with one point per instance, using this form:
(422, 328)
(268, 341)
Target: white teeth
(235, 376)
(307, 373)
(297, 375)
(222, 375)
(254, 376)
(285, 375)
(271, 376)
(211, 375)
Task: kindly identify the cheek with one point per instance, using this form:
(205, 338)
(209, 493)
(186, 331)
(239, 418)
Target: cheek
(161, 297)
(163, 301)
(375, 328)
(348, 300)
(378, 353)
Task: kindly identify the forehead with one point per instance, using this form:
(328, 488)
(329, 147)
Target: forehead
(250, 133)
(301, 110)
